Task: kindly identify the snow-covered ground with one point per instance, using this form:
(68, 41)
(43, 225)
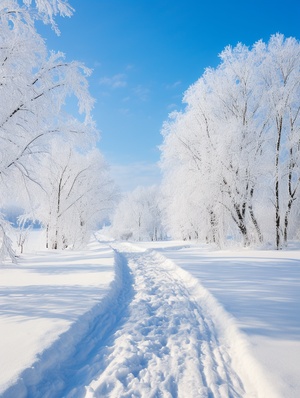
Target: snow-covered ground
(176, 321)
(45, 300)
(261, 289)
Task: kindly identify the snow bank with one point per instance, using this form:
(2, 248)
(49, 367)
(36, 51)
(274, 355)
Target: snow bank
(47, 303)
(261, 290)
(229, 336)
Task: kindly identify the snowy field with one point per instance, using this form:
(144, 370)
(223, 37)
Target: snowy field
(47, 302)
(261, 289)
(163, 319)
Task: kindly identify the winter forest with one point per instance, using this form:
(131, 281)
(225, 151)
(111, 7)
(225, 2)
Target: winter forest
(187, 288)
(230, 159)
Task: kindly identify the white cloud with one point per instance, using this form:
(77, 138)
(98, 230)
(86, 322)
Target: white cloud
(116, 81)
(173, 85)
(124, 111)
(129, 176)
(141, 92)
(97, 64)
(129, 67)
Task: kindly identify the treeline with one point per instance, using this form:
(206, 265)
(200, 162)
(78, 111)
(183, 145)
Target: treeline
(231, 158)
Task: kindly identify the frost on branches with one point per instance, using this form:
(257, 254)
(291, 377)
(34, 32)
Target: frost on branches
(47, 10)
(6, 251)
(76, 193)
(35, 86)
(231, 159)
(138, 215)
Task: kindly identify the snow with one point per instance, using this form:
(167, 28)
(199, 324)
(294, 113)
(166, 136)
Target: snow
(261, 289)
(42, 297)
(176, 338)
(155, 319)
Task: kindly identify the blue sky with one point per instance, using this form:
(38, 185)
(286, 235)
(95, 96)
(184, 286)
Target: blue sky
(145, 54)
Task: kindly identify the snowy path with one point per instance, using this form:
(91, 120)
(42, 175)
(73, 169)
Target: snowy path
(158, 334)
(166, 347)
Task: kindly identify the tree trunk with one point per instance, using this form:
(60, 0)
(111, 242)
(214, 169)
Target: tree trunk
(47, 236)
(277, 214)
(240, 221)
(55, 243)
(253, 218)
(286, 220)
(277, 199)
(292, 197)
(214, 228)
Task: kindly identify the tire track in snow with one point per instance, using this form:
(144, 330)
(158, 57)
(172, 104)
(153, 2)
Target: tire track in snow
(167, 347)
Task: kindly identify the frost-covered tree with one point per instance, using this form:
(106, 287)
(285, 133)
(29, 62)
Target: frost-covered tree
(73, 193)
(47, 10)
(183, 164)
(280, 73)
(34, 88)
(233, 153)
(138, 215)
(215, 137)
(232, 120)
(6, 251)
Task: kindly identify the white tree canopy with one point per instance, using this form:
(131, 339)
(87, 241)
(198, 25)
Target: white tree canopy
(235, 148)
(47, 10)
(73, 192)
(70, 185)
(33, 93)
(138, 215)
